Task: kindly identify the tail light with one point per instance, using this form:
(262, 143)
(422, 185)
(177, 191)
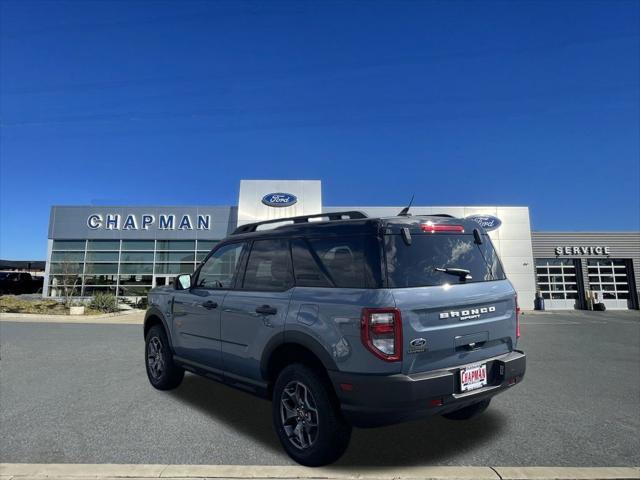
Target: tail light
(517, 318)
(434, 228)
(381, 332)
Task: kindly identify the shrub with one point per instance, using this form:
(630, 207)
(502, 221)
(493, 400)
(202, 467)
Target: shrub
(142, 303)
(13, 304)
(104, 302)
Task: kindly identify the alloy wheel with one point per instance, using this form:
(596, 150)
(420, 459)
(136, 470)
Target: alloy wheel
(155, 359)
(299, 415)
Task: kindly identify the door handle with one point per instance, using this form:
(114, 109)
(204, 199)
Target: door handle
(210, 305)
(266, 310)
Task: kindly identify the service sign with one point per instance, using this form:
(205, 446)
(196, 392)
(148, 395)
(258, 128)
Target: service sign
(279, 199)
(488, 222)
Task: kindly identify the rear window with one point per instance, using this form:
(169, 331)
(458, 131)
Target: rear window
(415, 265)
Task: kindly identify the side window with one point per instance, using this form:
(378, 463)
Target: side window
(269, 266)
(350, 261)
(306, 269)
(220, 268)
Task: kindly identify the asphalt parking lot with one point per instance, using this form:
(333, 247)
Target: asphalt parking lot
(79, 394)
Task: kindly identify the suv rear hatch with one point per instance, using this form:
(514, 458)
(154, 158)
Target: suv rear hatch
(456, 304)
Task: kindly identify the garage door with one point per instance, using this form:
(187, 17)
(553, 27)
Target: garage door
(610, 279)
(557, 282)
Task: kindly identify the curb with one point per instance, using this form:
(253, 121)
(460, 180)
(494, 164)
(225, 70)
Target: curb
(24, 471)
(126, 317)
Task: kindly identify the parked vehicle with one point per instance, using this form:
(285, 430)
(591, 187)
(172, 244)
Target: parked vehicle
(343, 320)
(17, 283)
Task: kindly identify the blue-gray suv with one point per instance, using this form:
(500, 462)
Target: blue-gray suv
(343, 320)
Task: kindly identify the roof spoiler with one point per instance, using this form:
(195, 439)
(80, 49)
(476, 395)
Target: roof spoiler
(332, 216)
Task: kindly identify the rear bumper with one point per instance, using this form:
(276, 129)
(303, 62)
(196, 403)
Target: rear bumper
(376, 400)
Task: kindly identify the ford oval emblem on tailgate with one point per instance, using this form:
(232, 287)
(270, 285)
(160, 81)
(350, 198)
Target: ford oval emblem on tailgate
(417, 345)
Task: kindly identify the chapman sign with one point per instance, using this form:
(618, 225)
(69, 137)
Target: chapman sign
(145, 222)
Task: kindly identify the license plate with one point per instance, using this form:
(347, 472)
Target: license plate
(473, 377)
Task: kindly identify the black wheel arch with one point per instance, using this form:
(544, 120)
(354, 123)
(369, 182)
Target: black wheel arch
(294, 347)
(155, 317)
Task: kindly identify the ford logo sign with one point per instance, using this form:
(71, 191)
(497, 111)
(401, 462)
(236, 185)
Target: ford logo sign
(279, 199)
(488, 222)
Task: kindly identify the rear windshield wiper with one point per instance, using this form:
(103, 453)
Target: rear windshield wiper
(459, 272)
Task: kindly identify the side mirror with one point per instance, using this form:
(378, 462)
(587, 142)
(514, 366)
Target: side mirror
(183, 282)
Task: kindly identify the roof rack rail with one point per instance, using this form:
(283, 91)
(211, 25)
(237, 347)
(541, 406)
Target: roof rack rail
(332, 216)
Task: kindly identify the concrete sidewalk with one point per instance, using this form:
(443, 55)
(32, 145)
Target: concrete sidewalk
(126, 317)
(23, 471)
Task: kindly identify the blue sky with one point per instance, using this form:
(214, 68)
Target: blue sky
(461, 103)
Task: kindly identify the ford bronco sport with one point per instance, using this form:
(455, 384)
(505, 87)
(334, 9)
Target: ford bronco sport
(343, 320)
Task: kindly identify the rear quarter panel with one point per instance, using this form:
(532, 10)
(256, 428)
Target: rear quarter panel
(331, 316)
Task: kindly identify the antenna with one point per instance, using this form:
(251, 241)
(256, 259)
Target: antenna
(405, 211)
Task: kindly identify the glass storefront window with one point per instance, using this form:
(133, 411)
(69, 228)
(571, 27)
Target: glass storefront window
(66, 268)
(100, 279)
(68, 245)
(174, 268)
(176, 245)
(117, 265)
(136, 257)
(101, 268)
(102, 256)
(90, 291)
(136, 279)
(68, 280)
(175, 256)
(103, 245)
(206, 245)
(138, 268)
(129, 291)
(67, 256)
(138, 245)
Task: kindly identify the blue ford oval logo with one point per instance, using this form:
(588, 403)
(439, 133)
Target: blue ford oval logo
(488, 222)
(279, 199)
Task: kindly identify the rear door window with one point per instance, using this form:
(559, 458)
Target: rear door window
(269, 266)
(415, 265)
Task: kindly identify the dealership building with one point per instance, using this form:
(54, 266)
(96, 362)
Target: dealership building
(129, 250)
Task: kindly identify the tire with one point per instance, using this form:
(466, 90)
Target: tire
(469, 411)
(162, 372)
(314, 433)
